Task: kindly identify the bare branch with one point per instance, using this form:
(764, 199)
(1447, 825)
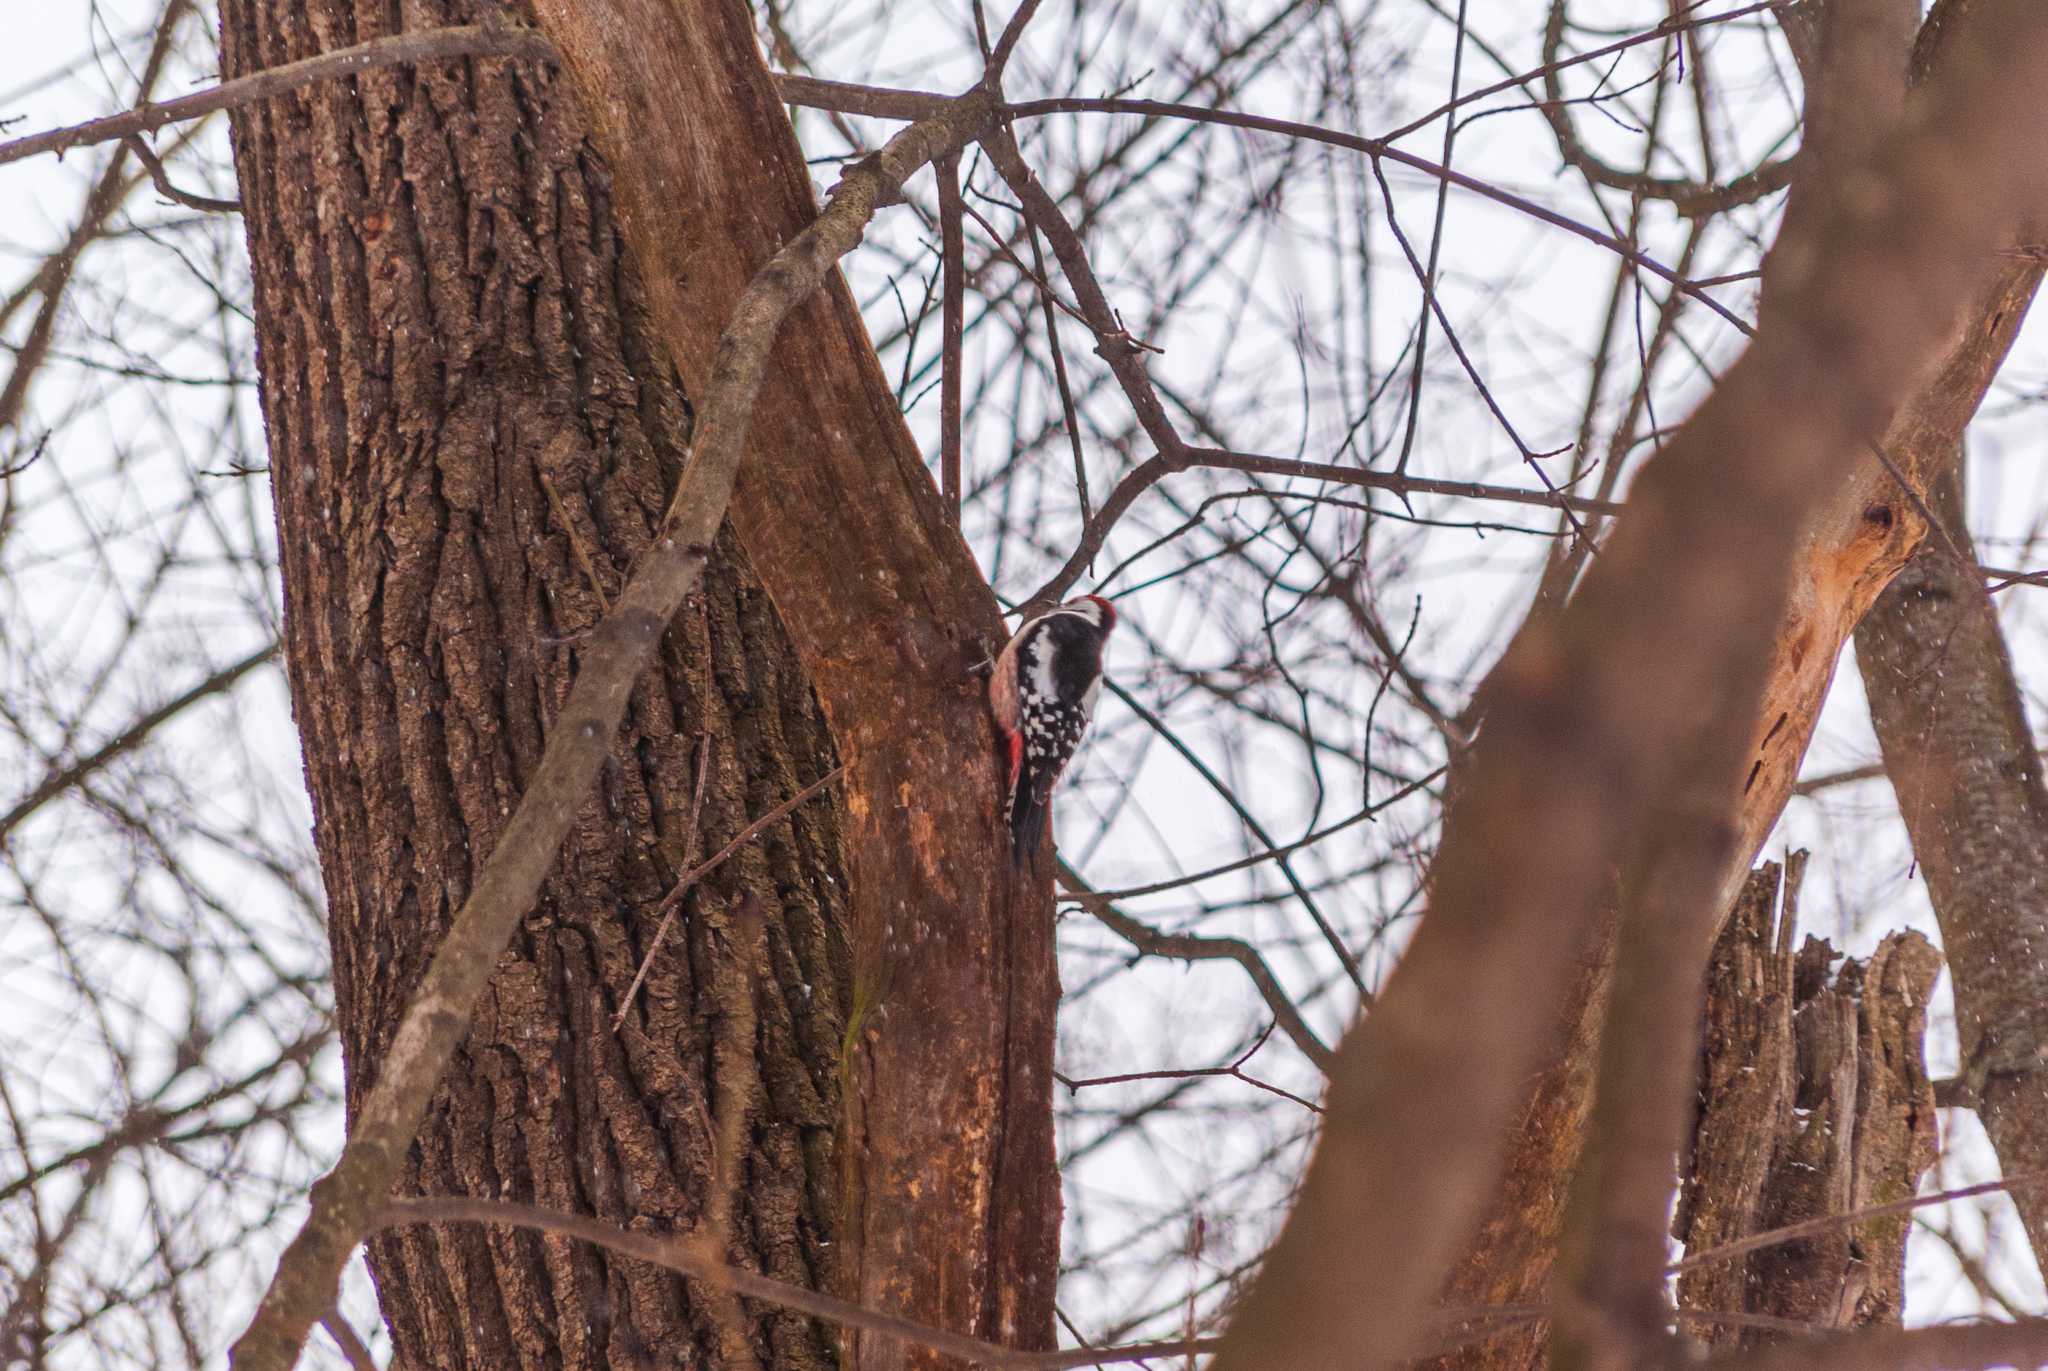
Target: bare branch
(155, 167)
(1692, 199)
(56, 782)
(693, 1258)
(464, 41)
(1188, 948)
(1162, 465)
(1758, 1241)
(1376, 148)
(689, 879)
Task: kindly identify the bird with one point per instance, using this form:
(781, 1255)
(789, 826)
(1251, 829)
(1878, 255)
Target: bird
(1043, 691)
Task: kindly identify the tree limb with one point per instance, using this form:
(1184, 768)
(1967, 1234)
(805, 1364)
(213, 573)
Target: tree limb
(1152, 943)
(57, 781)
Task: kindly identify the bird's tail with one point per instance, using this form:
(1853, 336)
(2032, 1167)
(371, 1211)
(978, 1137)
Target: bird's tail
(1029, 822)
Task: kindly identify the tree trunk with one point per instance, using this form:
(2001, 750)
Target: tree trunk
(1849, 550)
(1962, 760)
(472, 429)
(1814, 1101)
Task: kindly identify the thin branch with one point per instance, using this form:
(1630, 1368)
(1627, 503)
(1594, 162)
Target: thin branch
(695, 1259)
(155, 167)
(682, 887)
(2013, 578)
(576, 547)
(1757, 1242)
(1189, 1074)
(1692, 199)
(463, 41)
(109, 191)
(1162, 465)
(56, 782)
(1185, 947)
(1669, 26)
(1059, 372)
(689, 859)
(1345, 955)
(1113, 345)
(1378, 148)
(1869, 772)
(1092, 901)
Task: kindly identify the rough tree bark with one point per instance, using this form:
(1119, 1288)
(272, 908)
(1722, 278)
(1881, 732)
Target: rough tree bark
(1849, 550)
(1962, 760)
(954, 1205)
(475, 421)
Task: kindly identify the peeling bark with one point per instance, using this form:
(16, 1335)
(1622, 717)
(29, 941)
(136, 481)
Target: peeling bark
(1814, 1101)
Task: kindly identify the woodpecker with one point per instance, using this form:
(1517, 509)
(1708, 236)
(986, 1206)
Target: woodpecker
(1043, 689)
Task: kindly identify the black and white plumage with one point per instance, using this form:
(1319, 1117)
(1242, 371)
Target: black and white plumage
(1043, 690)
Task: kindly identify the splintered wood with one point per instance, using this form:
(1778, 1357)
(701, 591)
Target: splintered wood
(1814, 1101)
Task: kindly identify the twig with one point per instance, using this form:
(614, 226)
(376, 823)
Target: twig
(1344, 954)
(1919, 503)
(1164, 464)
(1655, 34)
(1059, 372)
(155, 167)
(689, 857)
(109, 191)
(1691, 199)
(1185, 947)
(1759, 1241)
(579, 744)
(952, 313)
(1379, 148)
(682, 886)
(2008, 578)
(1869, 772)
(9, 473)
(694, 1258)
(1091, 901)
(1231, 1071)
(462, 41)
(1112, 342)
(589, 568)
(128, 739)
